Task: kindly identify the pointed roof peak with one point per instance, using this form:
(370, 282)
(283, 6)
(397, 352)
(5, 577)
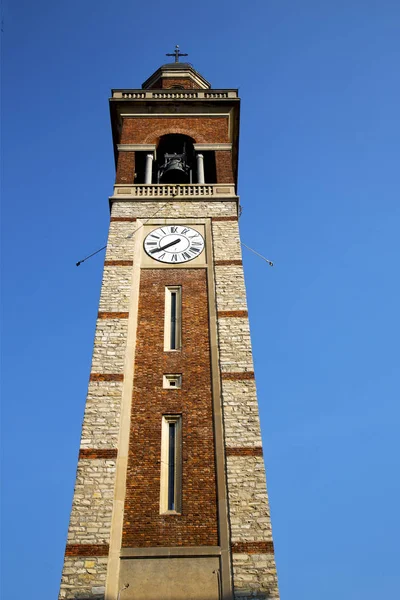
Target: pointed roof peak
(176, 74)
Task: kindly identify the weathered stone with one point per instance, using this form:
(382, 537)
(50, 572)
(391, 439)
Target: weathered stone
(82, 584)
(115, 289)
(230, 288)
(262, 583)
(104, 398)
(226, 240)
(109, 346)
(93, 502)
(171, 208)
(121, 240)
(234, 345)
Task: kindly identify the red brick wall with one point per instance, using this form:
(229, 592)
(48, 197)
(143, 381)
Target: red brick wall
(223, 161)
(125, 167)
(204, 130)
(197, 525)
(165, 83)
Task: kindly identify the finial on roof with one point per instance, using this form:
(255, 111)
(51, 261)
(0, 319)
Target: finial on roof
(177, 54)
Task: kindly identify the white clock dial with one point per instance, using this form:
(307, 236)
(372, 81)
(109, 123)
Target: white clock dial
(174, 244)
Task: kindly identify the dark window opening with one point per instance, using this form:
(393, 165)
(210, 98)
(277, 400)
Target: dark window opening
(173, 321)
(171, 465)
(210, 169)
(175, 159)
(140, 167)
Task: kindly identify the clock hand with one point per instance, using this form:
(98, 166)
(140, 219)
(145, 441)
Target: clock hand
(164, 247)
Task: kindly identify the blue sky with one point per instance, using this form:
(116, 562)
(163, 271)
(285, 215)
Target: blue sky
(319, 185)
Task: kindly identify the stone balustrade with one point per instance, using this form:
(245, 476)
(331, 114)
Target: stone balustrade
(195, 190)
(132, 95)
(174, 94)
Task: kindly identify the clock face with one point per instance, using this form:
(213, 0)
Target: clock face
(174, 244)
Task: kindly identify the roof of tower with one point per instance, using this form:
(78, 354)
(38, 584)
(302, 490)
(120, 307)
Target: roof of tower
(175, 75)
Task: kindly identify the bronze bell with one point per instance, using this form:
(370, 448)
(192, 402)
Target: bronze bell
(175, 169)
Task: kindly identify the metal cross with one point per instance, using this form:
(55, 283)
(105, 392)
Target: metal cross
(177, 54)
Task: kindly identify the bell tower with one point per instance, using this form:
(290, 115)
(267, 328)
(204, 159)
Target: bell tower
(170, 499)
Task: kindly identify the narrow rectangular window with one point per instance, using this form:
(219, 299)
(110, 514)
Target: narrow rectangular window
(173, 320)
(171, 464)
(172, 326)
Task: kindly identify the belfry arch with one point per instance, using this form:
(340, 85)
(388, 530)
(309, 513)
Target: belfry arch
(176, 161)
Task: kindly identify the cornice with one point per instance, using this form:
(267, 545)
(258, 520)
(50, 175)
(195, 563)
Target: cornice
(136, 147)
(204, 147)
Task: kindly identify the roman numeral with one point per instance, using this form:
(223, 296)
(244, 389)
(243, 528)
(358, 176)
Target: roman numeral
(174, 258)
(151, 243)
(194, 250)
(197, 244)
(173, 229)
(164, 232)
(184, 231)
(186, 255)
(155, 236)
(161, 256)
(193, 236)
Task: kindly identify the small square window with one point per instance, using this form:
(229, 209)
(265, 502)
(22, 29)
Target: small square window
(173, 381)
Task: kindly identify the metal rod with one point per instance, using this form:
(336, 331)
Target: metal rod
(271, 264)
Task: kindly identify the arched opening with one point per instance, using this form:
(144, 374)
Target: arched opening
(175, 159)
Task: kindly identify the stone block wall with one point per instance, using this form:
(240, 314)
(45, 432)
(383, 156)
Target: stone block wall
(226, 241)
(100, 427)
(173, 209)
(255, 577)
(230, 288)
(248, 500)
(254, 570)
(85, 567)
(121, 240)
(241, 419)
(115, 289)
(234, 344)
(83, 577)
(109, 346)
(90, 520)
